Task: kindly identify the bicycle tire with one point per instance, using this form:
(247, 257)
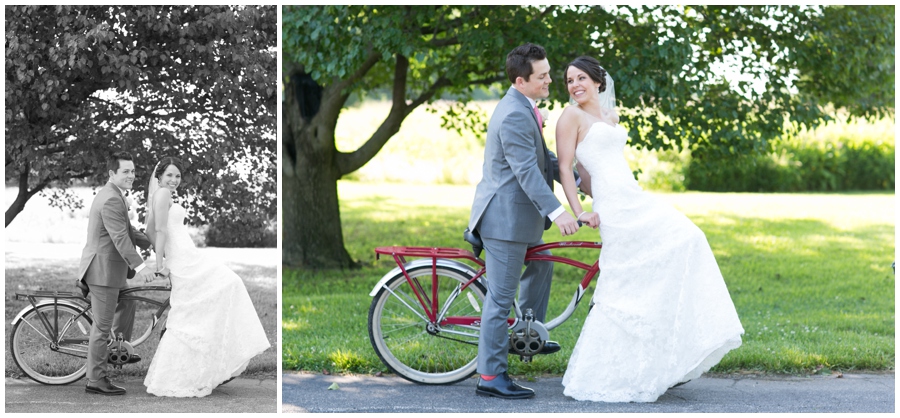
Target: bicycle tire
(399, 336)
(30, 345)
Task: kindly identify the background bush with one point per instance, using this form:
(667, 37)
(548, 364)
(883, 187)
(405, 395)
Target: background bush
(838, 157)
(226, 232)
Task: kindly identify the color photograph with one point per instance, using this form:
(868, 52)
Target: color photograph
(651, 208)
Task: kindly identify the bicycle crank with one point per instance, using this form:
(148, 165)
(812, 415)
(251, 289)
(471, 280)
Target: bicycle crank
(528, 336)
(120, 351)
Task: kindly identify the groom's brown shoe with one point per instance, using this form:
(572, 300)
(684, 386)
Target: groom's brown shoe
(104, 387)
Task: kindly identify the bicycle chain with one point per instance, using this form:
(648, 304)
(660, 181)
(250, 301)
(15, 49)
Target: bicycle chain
(454, 339)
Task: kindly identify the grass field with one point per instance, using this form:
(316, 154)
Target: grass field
(810, 276)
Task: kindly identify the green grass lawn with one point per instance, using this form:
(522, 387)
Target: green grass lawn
(47, 270)
(810, 276)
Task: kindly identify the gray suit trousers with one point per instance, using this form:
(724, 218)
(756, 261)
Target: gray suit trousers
(504, 261)
(109, 316)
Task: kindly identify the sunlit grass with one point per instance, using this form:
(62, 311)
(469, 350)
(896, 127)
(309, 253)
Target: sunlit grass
(810, 276)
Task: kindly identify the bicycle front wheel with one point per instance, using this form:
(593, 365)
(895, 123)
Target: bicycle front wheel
(49, 359)
(410, 344)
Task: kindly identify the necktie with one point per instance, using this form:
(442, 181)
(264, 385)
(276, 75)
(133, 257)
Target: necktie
(540, 120)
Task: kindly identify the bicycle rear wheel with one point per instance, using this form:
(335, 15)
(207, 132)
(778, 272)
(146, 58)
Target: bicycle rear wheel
(412, 346)
(48, 360)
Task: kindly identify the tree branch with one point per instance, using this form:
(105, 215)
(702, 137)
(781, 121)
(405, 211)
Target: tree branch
(370, 62)
(440, 43)
(350, 162)
(488, 81)
(428, 94)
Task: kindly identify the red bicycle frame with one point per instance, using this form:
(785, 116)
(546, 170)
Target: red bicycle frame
(430, 304)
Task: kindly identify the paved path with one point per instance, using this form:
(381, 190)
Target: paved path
(306, 392)
(239, 395)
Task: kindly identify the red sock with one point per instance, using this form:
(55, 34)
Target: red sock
(488, 378)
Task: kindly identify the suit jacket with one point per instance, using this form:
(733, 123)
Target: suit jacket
(109, 255)
(515, 193)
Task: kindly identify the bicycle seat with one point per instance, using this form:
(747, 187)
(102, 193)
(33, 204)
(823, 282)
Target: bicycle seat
(473, 238)
(82, 287)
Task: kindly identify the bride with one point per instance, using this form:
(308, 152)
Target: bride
(213, 329)
(662, 313)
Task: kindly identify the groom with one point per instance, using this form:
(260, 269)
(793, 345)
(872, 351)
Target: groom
(108, 257)
(514, 203)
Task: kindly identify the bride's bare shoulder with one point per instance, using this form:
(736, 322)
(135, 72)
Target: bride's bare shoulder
(571, 111)
(572, 116)
(162, 194)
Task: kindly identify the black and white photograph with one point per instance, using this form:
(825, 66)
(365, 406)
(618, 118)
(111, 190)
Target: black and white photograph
(141, 260)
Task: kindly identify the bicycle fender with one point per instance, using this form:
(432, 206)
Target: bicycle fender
(44, 303)
(441, 262)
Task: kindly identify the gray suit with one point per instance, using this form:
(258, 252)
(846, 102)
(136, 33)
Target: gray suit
(107, 259)
(511, 204)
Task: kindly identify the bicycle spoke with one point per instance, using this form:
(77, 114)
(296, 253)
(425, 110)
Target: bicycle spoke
(449, 302)
(401, 296)
(410, 343)
(40, 332)
(38, 355)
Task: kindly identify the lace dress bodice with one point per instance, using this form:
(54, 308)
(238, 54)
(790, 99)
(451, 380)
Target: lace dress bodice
(180, 248)
(600, 152)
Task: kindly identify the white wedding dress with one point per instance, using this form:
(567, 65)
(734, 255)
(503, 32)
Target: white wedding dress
(662, 313)
(212, 330)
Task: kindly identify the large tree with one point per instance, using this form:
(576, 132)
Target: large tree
(789, 67)
(197, 82)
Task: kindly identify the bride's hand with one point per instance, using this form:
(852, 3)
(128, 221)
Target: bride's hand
(591, 219)
(162, 273)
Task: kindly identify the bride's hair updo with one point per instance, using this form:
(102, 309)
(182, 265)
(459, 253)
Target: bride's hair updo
(165, 163)
(591, 67)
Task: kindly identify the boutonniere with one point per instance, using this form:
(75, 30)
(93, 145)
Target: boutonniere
(545, 115)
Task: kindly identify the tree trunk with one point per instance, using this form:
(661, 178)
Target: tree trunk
(311, 218)
(15, 208)
(312, 165)
(312, 236)
(22, 197)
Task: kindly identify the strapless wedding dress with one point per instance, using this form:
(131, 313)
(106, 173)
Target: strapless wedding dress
(212, 330)
(662, 313)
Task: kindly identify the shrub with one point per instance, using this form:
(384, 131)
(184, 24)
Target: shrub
(836, 158)
(225, 232)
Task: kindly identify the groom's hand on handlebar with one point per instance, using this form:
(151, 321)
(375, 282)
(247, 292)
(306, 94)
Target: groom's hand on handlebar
(566, 223)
